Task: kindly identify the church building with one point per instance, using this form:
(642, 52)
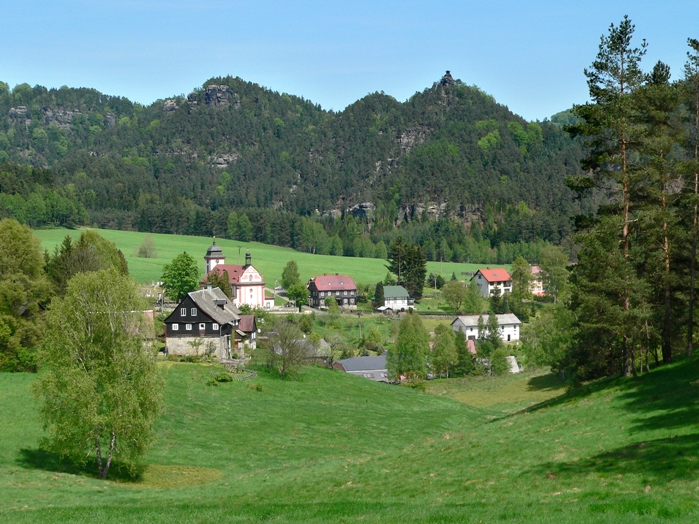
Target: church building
(247, 284)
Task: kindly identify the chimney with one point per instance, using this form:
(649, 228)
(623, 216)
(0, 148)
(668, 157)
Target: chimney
(210, 288)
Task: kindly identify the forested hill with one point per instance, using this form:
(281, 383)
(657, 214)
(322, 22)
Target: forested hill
(449, 151)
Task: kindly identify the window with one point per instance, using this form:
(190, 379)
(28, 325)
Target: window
(183, 312)
(202, 326)
(188, 327)
(214, 326)
(175, 327)
(344, 293)
(194, 312)
(322, 293)
(351, 301)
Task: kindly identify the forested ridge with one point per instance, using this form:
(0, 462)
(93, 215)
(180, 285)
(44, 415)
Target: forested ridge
(457, 172)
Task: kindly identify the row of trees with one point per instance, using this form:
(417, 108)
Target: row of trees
(412, 358)
(632, 297)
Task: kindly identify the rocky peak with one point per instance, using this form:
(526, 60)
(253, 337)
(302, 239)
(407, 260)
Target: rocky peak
(446, 80)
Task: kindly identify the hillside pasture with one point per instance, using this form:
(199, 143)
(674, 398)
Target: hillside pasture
(269, 260)
(330, 447)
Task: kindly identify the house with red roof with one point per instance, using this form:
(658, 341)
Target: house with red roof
(247, 284)
(341, 287)
(489, 280)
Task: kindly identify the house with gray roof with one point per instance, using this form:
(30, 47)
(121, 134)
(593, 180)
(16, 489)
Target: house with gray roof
(468, 325)
(397, 298)
(205, 322)
(373, 368)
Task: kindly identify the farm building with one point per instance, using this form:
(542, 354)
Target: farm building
(468, 325)
(373, 368)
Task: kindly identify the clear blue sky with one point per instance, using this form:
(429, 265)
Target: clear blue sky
(529, 55)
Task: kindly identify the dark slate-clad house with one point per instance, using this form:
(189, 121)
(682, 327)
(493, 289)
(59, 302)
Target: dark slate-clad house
(341, 287)
(204, 322)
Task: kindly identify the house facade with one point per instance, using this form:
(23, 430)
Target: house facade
(341, 287)
(468, 325)
(204, 322)
(247, 284)
(373, 368)
(537, 285)
(397, 298)
(489, 280)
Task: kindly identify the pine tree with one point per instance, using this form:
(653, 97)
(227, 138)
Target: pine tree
(610, 132)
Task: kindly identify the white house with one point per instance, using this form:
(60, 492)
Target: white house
(490, 279)
(397, 298)
(468, 325)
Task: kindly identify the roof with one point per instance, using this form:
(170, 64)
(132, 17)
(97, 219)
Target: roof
(536, 270)
(395, 292)
(214, 251)
(206, 301)
(472, 320)
(498, 274)
(333, 283)
(471, 345)
(364, 363)
(234, 272)
(247, 323)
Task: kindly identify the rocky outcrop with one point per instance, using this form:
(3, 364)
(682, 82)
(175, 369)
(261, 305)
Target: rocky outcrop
(411, 137)
(363, 210)
(217, 96)
(19, 112)
(447, 80)
(170, 105)
(109, 120)
(223, 160)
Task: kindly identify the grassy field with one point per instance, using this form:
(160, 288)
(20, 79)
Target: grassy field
(269, 260)
(329, 447)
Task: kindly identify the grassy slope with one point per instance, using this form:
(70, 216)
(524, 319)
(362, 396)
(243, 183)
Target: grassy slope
(269, 260)
(331, 447)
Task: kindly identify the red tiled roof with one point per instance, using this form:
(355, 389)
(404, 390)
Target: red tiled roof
(536, 270)
(234, 271)
(497, 274)
(247, 323)
(334, 283)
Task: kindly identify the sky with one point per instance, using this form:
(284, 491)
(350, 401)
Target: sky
(530, 55)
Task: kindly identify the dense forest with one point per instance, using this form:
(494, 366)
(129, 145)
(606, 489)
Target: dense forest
(450, 168)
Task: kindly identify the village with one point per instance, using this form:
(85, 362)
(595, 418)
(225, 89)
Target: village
(228, 324)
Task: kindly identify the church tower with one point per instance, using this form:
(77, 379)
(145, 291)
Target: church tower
(214, 257)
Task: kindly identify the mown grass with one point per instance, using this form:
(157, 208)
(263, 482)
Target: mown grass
(269, 260)
(328, 447)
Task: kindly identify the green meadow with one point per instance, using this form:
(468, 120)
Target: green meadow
(269, 260)
(329, 447)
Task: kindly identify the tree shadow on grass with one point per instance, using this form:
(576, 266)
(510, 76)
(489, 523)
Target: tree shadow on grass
(667, 398)
(41, 459)
(548, 382)
(674, 458)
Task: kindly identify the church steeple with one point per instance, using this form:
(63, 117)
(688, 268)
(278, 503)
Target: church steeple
(214, 256)
(248, 259)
